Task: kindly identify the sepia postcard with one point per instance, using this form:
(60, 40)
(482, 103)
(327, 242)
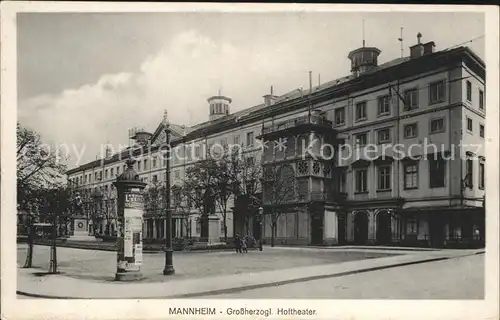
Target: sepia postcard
(249, 161)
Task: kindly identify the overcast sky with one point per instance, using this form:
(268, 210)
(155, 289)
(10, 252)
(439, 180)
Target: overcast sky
(84, 79)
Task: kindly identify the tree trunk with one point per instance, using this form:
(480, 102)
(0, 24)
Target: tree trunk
(29, 256)
(273, 232)
(53, 251)
(224, 215)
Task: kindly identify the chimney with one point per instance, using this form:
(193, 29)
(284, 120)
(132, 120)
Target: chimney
(270, 99)
(429, 47)
(417, 50)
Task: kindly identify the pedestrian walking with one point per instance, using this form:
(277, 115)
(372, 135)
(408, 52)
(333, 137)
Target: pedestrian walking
(260, 244)
(237, 244)
(244, 244)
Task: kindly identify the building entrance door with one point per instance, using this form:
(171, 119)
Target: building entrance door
(361, 228)
(383, 227)
(436, 230)
(317, 229)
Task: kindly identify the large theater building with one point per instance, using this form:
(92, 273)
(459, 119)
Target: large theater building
(394, 155)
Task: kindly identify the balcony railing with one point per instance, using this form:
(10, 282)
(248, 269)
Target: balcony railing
(313, 119)
(311, 196)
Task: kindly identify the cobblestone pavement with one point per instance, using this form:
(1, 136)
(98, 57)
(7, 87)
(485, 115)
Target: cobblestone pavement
(101, 265)
(457, 278)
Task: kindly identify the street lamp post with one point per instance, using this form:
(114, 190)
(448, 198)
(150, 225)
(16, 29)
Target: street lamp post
(169, 267)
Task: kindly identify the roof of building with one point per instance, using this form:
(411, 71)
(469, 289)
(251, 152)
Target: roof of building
(251, 114)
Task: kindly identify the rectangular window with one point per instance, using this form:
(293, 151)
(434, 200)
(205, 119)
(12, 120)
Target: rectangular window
(384, 136)
(154, 162)
(469, 91)
(361, 139)
(412, 225)
(236, 140)
(469, 124)
(437, 172)
(139, 165)
(197, 151)
(155, 178)
(117, 170)
(411, 130)
(437, 125)
(360, 111)
(343, 182)
(481, 131)
(361, 180)
(436, 92)
(384, 105)
(411, 176)
(124, 167)
(106, 174)
(469, 176)
(112, 172)
(340, 116)
(145, 164)
(411, 99)
(481, 175)
(384, 178)
(481, 99)
(250, 139)
(96, 176)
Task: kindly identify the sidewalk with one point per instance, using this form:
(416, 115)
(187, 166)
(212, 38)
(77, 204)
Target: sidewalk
(60, 286)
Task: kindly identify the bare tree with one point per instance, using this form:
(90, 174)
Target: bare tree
(38, 166)
(279, 190)
(154, 198)
(182, 205)
(244, 174)
(109, 209)
(200, 185)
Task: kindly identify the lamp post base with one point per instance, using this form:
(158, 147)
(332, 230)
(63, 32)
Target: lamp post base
(169, 267)
(128, 276)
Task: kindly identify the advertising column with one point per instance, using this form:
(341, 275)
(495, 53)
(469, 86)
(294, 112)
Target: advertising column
(130, 214)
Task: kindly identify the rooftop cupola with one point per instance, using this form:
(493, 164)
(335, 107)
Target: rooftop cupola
(363, 59)
(219, 107)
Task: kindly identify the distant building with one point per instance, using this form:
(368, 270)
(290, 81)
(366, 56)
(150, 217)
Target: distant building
(397, 193)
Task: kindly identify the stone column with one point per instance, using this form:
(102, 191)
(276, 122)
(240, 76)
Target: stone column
(130, 215)
(155, 232)
(330, 231)
(349, 227)
(372, 227)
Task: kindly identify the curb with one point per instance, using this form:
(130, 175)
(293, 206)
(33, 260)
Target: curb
(160, 251)
(258, 286)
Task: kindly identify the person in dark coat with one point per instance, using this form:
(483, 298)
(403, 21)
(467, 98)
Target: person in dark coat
(237, 244)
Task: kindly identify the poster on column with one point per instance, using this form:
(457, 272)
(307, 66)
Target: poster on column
(133, 229)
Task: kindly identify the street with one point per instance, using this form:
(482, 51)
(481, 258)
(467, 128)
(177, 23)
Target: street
(458, 278)
(101, 265)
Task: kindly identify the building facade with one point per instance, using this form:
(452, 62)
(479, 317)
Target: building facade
(391, 154)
